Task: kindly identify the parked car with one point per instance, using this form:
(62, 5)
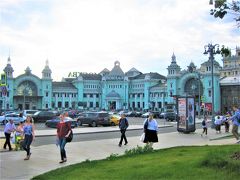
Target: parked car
(29, 112)
(114, 119)
(145, 115)
(162, 115)
(94, 119)
(156, 114)
(17, 118)
(53, 122)
(42, 116)
(6, 112)
(170, 116)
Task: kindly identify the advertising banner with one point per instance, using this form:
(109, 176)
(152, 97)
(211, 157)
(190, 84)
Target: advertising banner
(182, 112)
(190, 111)
(186, 114)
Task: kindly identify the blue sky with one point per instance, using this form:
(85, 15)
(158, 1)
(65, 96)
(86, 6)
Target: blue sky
(89, 35)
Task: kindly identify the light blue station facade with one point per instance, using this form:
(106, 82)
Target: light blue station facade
(111, 89)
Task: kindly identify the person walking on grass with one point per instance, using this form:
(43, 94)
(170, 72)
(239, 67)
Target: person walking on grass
(63, 131)
(150, 129)
(204, 126)
(235, 123)
(123, 125)
(29, 136)
(8, 129)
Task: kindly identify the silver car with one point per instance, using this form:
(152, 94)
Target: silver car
(15, 117)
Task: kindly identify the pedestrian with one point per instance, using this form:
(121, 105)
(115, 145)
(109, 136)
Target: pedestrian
(218, 123)
(63, 131)
(8, 129)
(123, 125)
(150, 129)
(204, 125)
(235, 123)
(19, 136)
(226, 123)
(29, 136)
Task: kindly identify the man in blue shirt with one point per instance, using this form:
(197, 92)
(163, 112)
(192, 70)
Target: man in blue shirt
(236, 122)
(9, 128)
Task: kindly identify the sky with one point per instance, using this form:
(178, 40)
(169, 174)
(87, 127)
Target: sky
(90, 35)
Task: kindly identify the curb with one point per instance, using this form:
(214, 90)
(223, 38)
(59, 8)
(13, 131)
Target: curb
(104, 131)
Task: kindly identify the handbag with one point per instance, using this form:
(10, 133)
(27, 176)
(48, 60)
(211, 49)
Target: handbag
(70, 137)
(142, 137)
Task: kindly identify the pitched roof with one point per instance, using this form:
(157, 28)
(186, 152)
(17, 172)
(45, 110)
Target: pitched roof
(116, 70)
(63, 86)
(153, 75)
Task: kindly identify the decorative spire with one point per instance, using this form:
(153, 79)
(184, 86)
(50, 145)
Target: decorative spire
(173, 58)
(47, 62)
(9, 60)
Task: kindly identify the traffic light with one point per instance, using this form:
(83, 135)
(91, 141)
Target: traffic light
(3, 81)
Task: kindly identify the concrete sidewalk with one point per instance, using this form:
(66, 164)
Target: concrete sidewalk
(86, 130)
(45, 158)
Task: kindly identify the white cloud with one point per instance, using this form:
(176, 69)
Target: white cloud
(89, 35)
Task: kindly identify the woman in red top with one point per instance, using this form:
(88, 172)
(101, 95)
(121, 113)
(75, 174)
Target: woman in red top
(63, 131)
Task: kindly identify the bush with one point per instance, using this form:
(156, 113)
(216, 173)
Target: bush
(139, 150)
(112, 156)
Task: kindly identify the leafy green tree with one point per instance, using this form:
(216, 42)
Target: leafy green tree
(223, 7)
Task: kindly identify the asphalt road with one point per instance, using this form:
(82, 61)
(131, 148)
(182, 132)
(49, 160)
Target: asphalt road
(103, 135)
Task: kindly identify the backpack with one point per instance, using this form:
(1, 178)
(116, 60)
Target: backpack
(145, 125)
(70, 137)
(203, 123)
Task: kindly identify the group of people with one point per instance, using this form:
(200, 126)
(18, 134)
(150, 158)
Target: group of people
(150, 127)
(219, 120)
(24, 132)
(150, 130)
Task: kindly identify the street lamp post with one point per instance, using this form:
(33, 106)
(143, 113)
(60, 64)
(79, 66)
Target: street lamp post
(199, 94)
(210, 48)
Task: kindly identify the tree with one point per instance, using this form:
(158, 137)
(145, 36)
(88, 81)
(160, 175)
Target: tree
(223, 7)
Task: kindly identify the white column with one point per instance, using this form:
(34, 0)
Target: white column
(141, 100)
(56, 100)
(94, 100)
(63, 100)
(88, 102)
(70, 100)
(135, 100)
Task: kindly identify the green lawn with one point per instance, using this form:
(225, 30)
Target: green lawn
(205, 162)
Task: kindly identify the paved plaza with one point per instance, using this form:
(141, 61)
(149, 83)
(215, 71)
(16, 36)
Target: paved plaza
(46, 157)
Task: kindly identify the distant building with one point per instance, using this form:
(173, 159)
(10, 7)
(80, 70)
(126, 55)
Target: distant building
(116, 90)
(230, 93)
(231, 65)
(194, 82)
(109, 90)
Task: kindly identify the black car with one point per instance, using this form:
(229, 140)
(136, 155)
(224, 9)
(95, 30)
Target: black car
(53, 122)
(94, 119)
(42, 116)
(170, 116)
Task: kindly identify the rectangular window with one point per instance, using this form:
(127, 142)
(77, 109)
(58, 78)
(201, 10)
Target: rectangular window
(46, 94)
(91, 95)
(46, 106)
(91, 104)
(84, 95)
(209, 83)
(97, 95)
(209, 93)
(97, 104)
